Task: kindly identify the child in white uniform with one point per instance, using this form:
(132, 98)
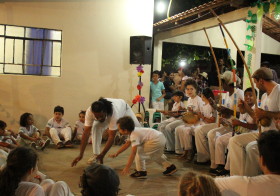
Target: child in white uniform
(146, 143)
(29, 134)
(58, 129)
(185, 132)
(7, 141)
(245, 124)
(205, 134)
(172, 122)
(194, 104)
(79, 128)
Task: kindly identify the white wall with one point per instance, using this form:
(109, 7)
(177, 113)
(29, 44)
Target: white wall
(237, 30)
(95, 56)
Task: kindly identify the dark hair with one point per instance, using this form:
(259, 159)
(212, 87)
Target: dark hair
(82, 112)
(126, 123)
(157, 72)
(99, 180)
(269, 148)
(179, 94)
(20, 161)
(265, 64)
(228, 63)
(207, 92)
(251, 90)
(102, 105)
(191, 82)
(3, 125)
(58, 109)
(23, 119)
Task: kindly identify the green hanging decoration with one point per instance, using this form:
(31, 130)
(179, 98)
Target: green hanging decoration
(254, 18)
(253, 28)
(250, 13)
(249, 45)
(249, 27)
(249, 37)
(266, 6)
(260, 13)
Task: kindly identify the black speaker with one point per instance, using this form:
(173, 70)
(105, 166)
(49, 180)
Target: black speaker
(140, 50)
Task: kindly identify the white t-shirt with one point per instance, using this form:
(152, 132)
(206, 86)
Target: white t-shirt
(208, 111)
(58, 126)
(176, 106)
(30, 189)
(229, 100)
(249, 186)
(120, 107)
(141, 135)
(29, 132)
(271, 103)
(246, 117)
(196, 103)
(80, 127)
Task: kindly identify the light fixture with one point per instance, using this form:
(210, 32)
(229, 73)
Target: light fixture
(182, 63)
(161, 7)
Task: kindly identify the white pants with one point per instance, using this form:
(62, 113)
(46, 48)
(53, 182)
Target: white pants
(164, 123)
(3, 157)
(252, 167)
(212, 135)
(201, 142)
(65, 133)
(237, 152)
(153, 150)
(158, 105)
(220, 148)
(99, 127)
(183, 136)
(170, 135)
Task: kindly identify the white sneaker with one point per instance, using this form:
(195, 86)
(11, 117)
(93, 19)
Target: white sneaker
(92, 159)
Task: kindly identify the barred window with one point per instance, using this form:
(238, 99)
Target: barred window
(30, 51)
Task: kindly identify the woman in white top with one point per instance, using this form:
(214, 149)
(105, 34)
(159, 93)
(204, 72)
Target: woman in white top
(21, 169)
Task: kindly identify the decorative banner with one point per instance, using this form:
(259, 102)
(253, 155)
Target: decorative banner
(139, 98)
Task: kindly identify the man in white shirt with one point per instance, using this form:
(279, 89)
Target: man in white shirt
(103, 114)
(243, 152)
(267, 184)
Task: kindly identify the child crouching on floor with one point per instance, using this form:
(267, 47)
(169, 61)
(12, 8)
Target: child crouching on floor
(146, 143)
(29, 134)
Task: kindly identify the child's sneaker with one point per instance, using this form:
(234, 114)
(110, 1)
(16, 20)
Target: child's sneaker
(139, 174)
(170, 170)
(45, 144)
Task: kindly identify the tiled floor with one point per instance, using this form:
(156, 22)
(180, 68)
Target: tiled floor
(56, 164)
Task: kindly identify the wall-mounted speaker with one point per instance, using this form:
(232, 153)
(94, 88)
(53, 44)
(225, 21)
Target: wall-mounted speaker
(140, 50)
